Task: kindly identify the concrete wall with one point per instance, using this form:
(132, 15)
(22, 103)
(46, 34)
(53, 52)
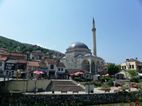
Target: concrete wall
(26, 85)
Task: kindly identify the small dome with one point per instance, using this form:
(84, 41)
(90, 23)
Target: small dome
(78, 45)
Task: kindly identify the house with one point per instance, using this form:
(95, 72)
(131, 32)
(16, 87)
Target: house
(15, 62)
(54, 68)
(17, 55)
(60, 70)
(132, 64)
(3, 50)
(32, 66)
(2, 65)
(12, 66)
(36, 55)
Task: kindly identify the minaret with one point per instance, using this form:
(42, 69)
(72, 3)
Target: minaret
(94, 39)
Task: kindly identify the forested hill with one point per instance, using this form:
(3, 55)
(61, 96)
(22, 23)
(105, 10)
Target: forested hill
(13, 45)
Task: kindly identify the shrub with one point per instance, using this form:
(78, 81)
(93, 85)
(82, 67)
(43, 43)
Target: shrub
(78, 79)
(110, 82)
(97, 83)
(135, 79)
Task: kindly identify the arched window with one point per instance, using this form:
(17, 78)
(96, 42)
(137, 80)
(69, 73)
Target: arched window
(85, 65)
(93, 67)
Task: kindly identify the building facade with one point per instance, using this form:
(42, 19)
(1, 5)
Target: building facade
(53, 68)
(132, 64)
(2, 65)
(79, 56)
(10, 63)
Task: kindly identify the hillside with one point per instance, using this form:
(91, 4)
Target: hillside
(13, 45)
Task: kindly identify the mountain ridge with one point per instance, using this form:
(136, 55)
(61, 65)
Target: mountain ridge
(15, 46)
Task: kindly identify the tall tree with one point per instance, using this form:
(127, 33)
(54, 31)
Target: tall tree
(113, 69)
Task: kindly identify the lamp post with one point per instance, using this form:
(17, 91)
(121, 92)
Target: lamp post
(35, 85)
(88, 88)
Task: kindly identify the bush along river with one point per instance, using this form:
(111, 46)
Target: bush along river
(106, 99)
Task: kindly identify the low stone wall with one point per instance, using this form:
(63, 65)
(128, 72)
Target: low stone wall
(68, 99)
(23, 85)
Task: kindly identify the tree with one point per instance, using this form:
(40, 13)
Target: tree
(113, 69)
(133, 73)
(134, 77)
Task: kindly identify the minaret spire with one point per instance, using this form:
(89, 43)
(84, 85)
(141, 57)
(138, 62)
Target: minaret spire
(94, 38)
(93, 23)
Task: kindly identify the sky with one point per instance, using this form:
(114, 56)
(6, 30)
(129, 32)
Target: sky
(55, 24)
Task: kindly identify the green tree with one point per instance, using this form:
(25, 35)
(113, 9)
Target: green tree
(134, 77)
(133, 73)
(113, 69)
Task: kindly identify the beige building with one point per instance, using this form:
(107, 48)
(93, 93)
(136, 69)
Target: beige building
(132, 64)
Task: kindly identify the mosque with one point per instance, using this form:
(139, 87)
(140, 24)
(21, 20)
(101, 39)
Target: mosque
(79, 56)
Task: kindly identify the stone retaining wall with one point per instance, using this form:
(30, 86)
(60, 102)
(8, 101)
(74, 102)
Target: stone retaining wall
(68, 99)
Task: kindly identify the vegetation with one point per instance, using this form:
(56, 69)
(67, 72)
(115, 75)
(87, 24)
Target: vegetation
(14, 46)
(134, 75)
(81, 79)
(113, 69)
(97, 83)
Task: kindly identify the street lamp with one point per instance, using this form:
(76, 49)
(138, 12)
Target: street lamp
(35, 85)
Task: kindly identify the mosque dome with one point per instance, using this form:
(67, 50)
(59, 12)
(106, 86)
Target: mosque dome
(78, 45)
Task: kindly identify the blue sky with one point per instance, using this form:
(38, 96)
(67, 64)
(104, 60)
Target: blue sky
(55, 24)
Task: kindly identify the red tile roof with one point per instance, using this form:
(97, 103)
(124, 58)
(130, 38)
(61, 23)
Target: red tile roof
(3, 58)
(17, 54)
(4, 54)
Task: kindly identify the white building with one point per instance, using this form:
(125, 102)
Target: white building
(79, 56)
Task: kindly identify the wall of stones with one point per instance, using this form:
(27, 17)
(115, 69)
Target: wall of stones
(68, 99)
